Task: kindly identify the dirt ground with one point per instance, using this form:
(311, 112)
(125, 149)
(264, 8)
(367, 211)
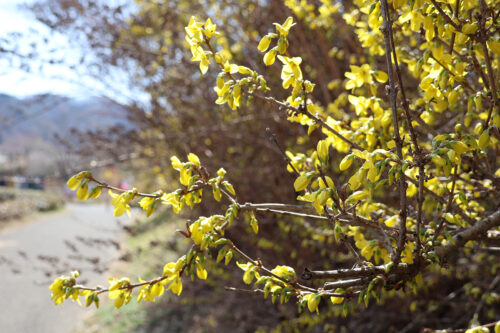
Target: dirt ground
(37, 249)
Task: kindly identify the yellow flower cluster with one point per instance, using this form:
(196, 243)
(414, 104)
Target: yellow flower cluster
(121, 201)
(282, 45)
(63, 288)
(197, 34)
(79, 182)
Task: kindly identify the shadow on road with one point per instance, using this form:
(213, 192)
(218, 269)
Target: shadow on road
(82, 237)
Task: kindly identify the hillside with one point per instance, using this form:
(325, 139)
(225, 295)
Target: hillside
(29, 126)
(43, 116)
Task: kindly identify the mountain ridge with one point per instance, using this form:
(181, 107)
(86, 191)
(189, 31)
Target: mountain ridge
(44, 116)
(31, 127)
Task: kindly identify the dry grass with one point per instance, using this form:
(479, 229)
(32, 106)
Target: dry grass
(17, 203)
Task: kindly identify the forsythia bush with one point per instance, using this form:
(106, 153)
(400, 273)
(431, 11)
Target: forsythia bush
(436, 147)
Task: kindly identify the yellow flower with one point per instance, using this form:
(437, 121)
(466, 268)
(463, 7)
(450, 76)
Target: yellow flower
(265, 41)
(285, 272)
(121, 201)
(301, 182)
(201, 272)
(172, 199)
(346, 162)
(176, 285)
(75, 181)
(194, 30)
(285, 28)
(270, 57)
(358, 76)
(195, 36)
(58, 290)
(83, 191)
(209, 28)
(291, 70)
(313, 301)
(149, 204)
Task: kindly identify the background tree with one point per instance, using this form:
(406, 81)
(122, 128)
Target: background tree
(396, 163)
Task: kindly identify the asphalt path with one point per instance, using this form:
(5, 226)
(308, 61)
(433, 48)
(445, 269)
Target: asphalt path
(83, 237)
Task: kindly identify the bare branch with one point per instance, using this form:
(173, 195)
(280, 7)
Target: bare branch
(403, 209)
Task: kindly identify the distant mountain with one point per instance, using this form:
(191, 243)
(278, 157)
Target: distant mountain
(43, 116)
(28, 127)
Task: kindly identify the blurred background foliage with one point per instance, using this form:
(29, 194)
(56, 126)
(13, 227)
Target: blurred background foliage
(174, 113)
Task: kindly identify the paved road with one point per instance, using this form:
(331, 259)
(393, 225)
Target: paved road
(83, 237)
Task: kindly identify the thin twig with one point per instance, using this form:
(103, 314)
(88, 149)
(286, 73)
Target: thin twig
(386, 29)
(357, 272)
(272, 137)
(246, 291)
(453, 35)
(316, 119)
(120, 190)
(491, 73)
(448, 204)
(345, 283)
(418, 155)
(445, 16)
(261, 267)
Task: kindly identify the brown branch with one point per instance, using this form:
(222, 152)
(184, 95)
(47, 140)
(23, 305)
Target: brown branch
(316, 119)
(463, 330)
(442, 252)
(120, 190)
(404, 101)
(281, 206)
(386, 30)
(448, 204)
(150, 282)
(421, 178)
(453, 35)
(344, 240)
(272, 138)
(418, 155)
(361, 222)
(491, 74)
(301, 211)
(261, 267)
(443, 201)
(246, 291)
(345, 283)
(289, 107)
(468, 234)
(358, 272)
(445, 16)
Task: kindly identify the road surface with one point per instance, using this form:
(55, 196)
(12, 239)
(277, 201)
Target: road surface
(83, 237)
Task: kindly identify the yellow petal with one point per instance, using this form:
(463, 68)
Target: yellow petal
(264, 43)
(301, 182)
(270, 57)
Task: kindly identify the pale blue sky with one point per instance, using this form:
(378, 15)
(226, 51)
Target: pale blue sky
(55, 79)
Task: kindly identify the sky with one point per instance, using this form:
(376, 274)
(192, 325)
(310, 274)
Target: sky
(54, 79)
